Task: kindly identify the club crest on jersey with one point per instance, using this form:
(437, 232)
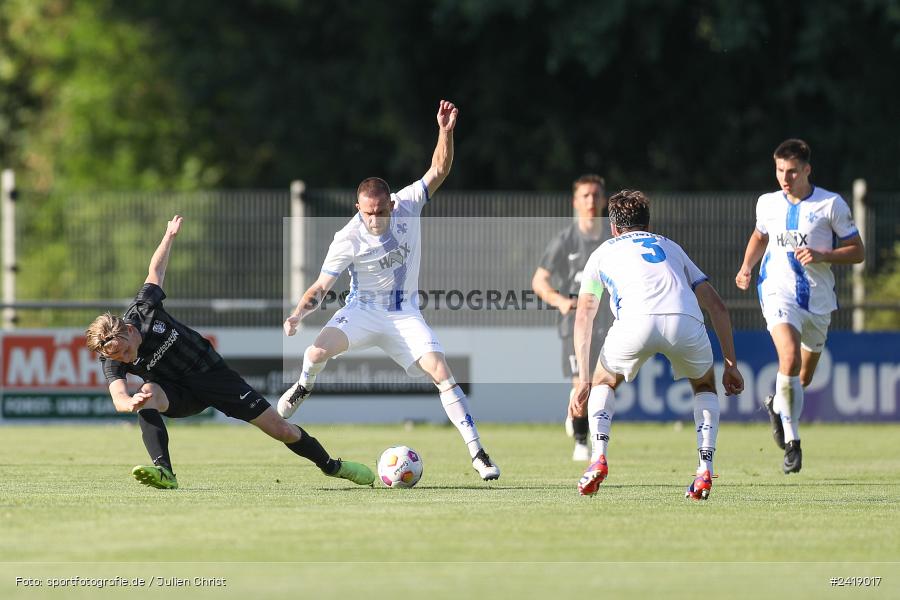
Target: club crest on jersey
(158, 327)
(395, 257)
(402, 227)
(799, 239)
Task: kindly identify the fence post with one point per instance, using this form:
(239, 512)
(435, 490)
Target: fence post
(298, 242)
(859, 269)
(10, 267)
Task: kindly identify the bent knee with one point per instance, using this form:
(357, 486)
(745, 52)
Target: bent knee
(705, 383)
(151, 388)
(318, 354)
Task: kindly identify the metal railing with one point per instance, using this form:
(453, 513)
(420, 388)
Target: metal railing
(228, 267)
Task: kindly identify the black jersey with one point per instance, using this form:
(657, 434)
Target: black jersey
(565, 258)
(169, 350)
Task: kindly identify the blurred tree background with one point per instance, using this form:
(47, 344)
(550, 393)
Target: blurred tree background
(661, 95)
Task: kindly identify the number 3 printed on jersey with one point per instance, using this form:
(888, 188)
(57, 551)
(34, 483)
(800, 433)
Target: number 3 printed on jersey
(658, 255)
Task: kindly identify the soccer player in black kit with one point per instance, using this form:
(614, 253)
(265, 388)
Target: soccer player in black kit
(557, 281)
(183, 375)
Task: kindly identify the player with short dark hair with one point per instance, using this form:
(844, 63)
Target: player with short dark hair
(183, 375)
(800, 232)
(381, 249)
(557, 280)
(656, 294)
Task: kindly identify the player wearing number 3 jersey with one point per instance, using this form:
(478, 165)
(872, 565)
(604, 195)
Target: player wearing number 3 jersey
(656, 294)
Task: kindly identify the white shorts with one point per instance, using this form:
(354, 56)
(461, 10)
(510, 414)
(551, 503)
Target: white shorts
(404, 336)
(680, 338)
(813, 328)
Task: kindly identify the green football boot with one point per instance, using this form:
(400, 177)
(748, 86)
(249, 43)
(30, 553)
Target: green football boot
(358, 473)
(158, 477)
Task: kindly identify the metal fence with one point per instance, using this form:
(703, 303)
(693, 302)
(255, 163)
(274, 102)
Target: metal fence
(94, 250)
(713, 228)
(85, 253)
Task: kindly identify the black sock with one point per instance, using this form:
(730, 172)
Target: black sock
(580, 427)
(156, 438)
(309, 448)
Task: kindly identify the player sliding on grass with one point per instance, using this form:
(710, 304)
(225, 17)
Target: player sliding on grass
(183, 375)
(802, 230)
(649, 279)
(380, 246)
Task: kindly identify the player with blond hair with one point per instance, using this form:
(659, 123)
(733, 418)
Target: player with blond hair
(184, 375)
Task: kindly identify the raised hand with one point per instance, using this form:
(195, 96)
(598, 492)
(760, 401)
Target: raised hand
(174, 226)
(446, 115)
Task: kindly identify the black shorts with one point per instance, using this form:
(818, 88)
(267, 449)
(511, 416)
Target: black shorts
(223, 389)
(570, 361)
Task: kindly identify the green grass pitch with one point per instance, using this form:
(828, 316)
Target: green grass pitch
(270, 524)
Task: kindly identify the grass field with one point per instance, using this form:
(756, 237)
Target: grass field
(251, 512)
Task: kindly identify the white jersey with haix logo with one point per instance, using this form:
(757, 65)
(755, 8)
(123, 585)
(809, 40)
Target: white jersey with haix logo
(646, 274)
(818, 222)
(384, 270)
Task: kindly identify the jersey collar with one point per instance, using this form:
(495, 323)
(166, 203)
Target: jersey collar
(812, 190)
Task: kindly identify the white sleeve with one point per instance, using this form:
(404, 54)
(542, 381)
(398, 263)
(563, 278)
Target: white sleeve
(414, 196)
(841, 220)
(591, 282)
(760, 218)
(691, 271)
(340, 255)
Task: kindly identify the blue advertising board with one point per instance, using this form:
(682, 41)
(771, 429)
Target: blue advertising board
(857, 379)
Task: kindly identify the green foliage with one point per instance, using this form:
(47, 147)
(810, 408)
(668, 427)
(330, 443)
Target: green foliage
(153, 95)
(885, 288)
(95, 110)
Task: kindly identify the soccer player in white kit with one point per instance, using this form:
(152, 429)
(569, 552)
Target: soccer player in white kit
(380, 247)
(656, 293)
(800, 232)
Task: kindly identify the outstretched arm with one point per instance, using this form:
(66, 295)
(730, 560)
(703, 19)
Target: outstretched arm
(442, 158)
(160, 260)
(308, 302)
(711, 302)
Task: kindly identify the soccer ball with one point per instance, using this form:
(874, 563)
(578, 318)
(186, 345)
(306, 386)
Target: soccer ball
(400, 467)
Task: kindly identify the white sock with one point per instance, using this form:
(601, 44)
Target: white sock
(310, 370)
(457, 409)
(601, 408)
(789, 404)
(706, 418)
